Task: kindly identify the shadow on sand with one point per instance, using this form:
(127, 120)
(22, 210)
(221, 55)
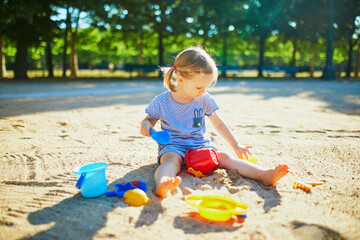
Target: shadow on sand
(340, 96)
(18, 98)
(78, 212)
(193, 223)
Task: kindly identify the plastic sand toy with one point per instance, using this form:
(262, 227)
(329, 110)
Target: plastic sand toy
(217, 207)
(315, 183)
(122, 188)
(162, 137)
(136, 197)
(306, 186)
(91, 179)
(201, 161)
(303, 186)
(198, 174)
(251, 158)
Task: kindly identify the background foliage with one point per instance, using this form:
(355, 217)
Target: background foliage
(110, 33)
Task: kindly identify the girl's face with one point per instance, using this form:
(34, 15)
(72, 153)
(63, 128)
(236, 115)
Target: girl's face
(197, 85)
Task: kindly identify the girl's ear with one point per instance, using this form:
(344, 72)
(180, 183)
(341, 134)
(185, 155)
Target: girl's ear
(179, 79)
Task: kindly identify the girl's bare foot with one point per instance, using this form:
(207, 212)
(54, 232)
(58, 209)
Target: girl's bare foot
(167, 184)
(272, 176)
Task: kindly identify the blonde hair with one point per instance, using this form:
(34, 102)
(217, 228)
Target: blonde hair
(193, 60)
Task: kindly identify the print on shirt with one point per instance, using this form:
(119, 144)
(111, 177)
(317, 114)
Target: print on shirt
(198, 117)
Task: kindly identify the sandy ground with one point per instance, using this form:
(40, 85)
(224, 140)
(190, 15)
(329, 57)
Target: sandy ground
(46, 129)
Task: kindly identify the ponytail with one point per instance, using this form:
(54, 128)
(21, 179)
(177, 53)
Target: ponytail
(169, 80)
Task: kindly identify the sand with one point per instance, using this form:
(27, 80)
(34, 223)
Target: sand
(47, 129)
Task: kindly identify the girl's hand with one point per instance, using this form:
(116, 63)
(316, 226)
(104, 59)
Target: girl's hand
(241, 151)
(146, 125)
(144, 130)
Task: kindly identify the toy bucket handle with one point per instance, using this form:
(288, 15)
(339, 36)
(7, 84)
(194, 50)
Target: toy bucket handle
(193, 200)
(80, 180)
(241, 208)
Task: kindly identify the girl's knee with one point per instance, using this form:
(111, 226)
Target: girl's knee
(172, 158)
(225, 161)
(223, 156)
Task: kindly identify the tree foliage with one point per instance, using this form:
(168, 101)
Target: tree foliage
(250, 33)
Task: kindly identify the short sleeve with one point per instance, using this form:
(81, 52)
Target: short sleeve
(210, 105)
(153, 109)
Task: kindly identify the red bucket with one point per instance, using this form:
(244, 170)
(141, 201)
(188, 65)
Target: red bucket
(201, 160)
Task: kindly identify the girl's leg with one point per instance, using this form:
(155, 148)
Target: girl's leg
(269, 177)
(165, 175)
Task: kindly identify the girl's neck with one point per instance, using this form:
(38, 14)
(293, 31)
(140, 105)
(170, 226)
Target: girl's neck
(179, 96)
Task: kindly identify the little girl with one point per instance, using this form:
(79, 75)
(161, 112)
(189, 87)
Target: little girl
(182, 110)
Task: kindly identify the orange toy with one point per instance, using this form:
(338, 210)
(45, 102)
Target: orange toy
(196, 173)
(306, 186)
(303, 186)
(315, 183)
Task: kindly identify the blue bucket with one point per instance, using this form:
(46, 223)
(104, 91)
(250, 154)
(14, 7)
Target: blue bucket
(91, 179)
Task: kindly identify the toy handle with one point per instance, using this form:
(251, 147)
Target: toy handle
(111, 194)
(196, 173)
(80, 181)
(241, 208)
(192, 200)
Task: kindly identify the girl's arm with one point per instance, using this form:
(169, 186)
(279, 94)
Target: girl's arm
(225, 132)
(147, 124)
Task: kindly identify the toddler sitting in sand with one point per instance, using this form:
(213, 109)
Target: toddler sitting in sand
(182, 110)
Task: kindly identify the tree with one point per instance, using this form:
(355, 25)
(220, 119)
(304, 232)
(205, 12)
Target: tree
(357, 61)
(166, 17)
(133, 23)
(227, 15)
(348, 27)
(3, 73)
(260, 16)
(67, 27)
(3, 21)
(27, 24)
(74, 67)
(301, 23)
(73, 11)
(329, 72)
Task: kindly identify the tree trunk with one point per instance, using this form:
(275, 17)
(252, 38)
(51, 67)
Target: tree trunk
(21, 66)
(329, 71)
(161, 49)
(312, 66)
(3, 73)
(49, 60)
(349, 61)
(141, 53)
(224, 62)
(74, 67)
(261, 54)
(204, 41)
(141, 49)
(68, 25)
(357, 62)
(293, 60)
